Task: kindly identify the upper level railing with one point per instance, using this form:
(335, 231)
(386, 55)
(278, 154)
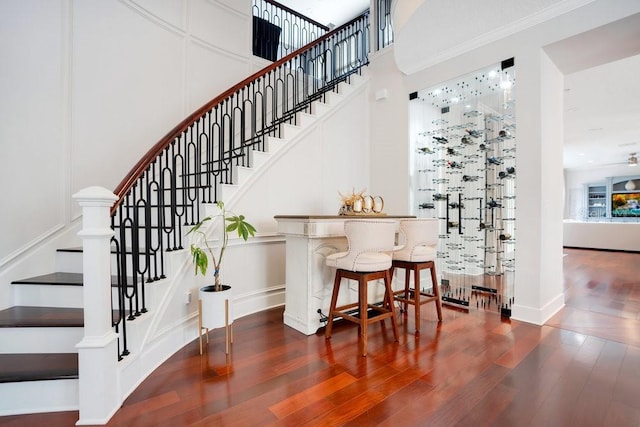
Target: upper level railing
(163, 192)
(384, 27)
(279, 30)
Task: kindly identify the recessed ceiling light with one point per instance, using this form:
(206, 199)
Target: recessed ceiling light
(571, 110)
(595, 129)
(589, 161)
(581, 154)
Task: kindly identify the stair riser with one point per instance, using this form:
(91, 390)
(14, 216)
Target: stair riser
(39, 340)
(38, 396)
(52, 296)
(71, 262)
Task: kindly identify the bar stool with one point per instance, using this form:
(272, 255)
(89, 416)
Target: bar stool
(367, 259)
(418, 253)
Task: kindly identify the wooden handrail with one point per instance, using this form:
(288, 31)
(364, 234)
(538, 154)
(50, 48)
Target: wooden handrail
(298, 14)
(145, 162)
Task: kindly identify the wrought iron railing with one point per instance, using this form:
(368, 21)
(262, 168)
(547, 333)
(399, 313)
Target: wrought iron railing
(163, 193)
(384, 27)
(279, 30)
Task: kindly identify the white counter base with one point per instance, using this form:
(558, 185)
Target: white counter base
(615, 236)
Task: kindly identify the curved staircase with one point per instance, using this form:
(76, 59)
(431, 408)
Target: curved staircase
(39, 334)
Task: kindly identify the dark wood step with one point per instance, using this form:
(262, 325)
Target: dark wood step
(59, 279)
(75, 249)
(33, 317)
(21, 316)
(38, 367)
(78, 249)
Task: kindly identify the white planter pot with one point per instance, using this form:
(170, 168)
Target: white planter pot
(213, 306)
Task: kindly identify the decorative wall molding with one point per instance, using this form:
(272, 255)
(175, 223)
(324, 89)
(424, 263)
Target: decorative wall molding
(41, 239)
(216, 49)
(66, 108)
(228, 8)
(186, 32)
(497, 34)
(151, 17)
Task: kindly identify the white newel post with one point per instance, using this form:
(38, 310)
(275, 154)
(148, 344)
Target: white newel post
(98, 351)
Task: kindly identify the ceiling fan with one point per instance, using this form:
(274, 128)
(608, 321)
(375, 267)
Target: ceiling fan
(632, 160)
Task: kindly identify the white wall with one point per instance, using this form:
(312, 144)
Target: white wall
(34, 114)
(390, 157)
(87, 88)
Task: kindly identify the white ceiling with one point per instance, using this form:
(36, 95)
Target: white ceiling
(327, 12)
(602, 103)
(602, 114)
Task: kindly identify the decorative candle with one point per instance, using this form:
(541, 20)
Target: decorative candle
(368, 203)
(357, 205)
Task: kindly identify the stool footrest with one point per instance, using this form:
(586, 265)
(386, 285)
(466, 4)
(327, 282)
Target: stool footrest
(401, 296)
(375, 313)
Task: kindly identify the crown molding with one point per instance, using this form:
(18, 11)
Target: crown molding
(499, 33)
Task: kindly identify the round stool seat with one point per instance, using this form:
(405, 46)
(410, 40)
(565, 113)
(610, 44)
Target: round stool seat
(416, 254)
(366, 261)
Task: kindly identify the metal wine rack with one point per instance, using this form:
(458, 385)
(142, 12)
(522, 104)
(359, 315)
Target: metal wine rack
(464, 175)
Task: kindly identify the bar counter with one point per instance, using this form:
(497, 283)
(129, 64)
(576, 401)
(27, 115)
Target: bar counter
(309, 239)
(614, 236)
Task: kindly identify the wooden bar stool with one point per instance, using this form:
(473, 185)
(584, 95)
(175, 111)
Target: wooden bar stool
(366, 259)
(418, 253)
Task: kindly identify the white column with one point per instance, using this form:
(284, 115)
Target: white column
(539, 205)
(98, 351)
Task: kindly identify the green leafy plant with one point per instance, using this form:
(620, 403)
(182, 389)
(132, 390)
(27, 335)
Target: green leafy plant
(200, 255)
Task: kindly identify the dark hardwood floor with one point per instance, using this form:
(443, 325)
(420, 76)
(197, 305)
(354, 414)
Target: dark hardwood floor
(474, 369)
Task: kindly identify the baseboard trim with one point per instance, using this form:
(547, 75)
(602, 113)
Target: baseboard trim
(602, 249)
(537, 316)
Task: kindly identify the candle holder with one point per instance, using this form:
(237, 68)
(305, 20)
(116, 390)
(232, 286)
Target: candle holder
(361, 204)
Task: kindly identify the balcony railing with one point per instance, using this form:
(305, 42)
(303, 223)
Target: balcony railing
(384, 27)
(279, 30)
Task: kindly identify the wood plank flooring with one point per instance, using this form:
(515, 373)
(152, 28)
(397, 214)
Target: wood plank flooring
(474, 369)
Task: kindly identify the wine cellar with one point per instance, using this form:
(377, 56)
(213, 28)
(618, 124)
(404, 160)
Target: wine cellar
(464, 138)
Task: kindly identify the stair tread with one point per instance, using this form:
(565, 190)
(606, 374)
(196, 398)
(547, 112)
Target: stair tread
(72, 249)
(79, 250)
(27, 316)
(38, 367)
(58, 279)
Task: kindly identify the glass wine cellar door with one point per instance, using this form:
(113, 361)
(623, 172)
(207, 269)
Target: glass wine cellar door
(463, 134)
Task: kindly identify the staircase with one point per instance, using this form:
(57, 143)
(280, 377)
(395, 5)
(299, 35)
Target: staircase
(39, 334)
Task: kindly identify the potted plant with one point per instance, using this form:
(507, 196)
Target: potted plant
(200, 256)
(215, 299)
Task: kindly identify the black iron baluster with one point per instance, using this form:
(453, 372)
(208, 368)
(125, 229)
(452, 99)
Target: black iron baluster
(447, 216)
(459, 213)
